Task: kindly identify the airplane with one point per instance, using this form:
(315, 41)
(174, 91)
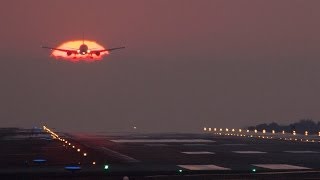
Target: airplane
(83, 50)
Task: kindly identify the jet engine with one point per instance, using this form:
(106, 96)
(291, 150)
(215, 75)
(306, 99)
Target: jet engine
(69, 53)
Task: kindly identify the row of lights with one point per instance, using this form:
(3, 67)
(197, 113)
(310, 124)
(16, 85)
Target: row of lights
(65, 142)
(267, 137)
(233, 132)
(306, 133)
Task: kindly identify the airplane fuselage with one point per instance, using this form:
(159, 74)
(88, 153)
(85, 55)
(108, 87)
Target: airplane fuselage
(83, 49)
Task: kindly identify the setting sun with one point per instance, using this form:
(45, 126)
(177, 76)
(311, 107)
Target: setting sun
(74, 46)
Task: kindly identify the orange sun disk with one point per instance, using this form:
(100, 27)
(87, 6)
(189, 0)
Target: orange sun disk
(74, 45)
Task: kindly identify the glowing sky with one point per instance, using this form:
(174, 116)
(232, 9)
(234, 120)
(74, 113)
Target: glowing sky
(187, 64)
(74, 45)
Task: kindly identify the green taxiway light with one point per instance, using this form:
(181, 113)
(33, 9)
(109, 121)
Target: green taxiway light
(106, 167)
(180, 170)
(254, 170)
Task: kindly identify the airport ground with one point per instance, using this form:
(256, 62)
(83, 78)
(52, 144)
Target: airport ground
(34, 154)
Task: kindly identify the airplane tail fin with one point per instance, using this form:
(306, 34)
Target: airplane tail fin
(82, 38)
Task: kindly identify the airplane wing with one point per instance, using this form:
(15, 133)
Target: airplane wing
(58, 49)
(103, 50)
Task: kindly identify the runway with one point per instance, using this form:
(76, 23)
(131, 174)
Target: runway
(157, 156)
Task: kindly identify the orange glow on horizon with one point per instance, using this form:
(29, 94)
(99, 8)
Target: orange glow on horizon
(74, 45)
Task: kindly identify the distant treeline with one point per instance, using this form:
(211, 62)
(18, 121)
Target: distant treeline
(300, 127)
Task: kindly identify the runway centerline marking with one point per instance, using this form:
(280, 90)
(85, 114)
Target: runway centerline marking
(302, 152)
(197, 152)
(195, 144)
(249, 152)
(234, 144)
(162, 141)
(206, 167)
(117, 154)
(157, 145)
(280, 166)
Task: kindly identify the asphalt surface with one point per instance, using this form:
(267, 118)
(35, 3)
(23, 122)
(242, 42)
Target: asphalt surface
(33, 154)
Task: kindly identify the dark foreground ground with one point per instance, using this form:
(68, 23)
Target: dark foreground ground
(33, 154)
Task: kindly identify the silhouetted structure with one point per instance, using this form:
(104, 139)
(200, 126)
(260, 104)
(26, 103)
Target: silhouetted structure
(300, 127)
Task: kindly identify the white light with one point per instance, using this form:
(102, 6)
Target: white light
(205, 129)
(78, 150)
(273, 131)
(209, 129)
(264, 131)
(255, 131)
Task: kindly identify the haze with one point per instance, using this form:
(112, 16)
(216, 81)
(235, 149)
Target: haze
(187, 64)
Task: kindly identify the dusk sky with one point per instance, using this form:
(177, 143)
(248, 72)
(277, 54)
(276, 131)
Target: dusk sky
(187, 64)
